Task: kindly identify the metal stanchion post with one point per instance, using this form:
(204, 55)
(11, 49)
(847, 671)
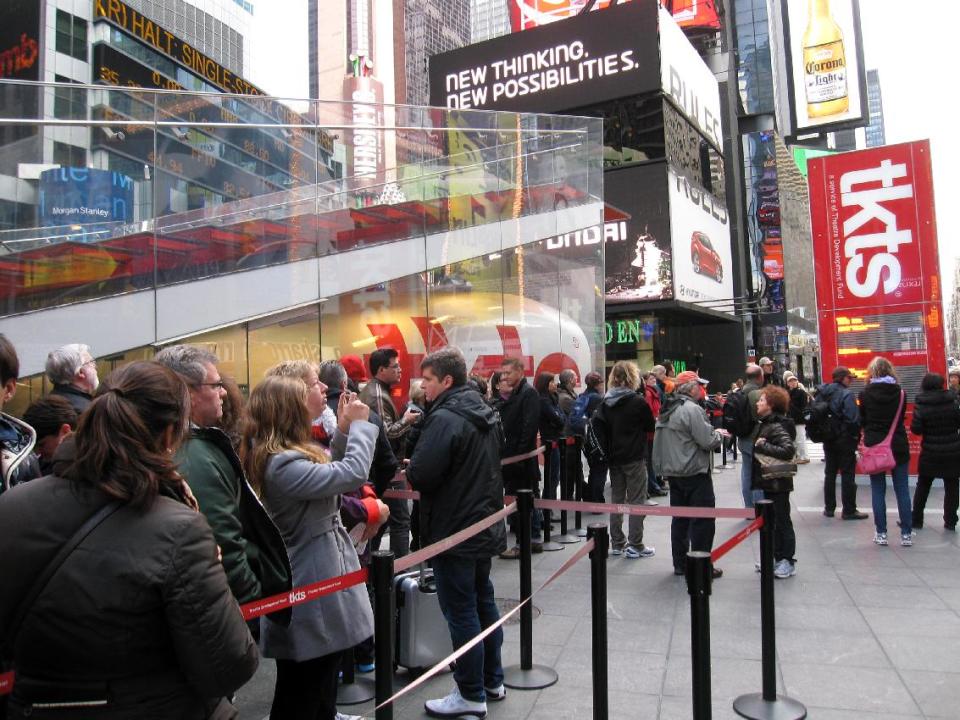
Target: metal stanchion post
(564, 537)
(578, 489)
(699, 580)
(767, 705)
(381, 573)
(353, 690)
(526, 676)
(598, 612)
(549, 545)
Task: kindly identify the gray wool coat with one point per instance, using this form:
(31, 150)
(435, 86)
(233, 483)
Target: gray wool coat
(303, 498)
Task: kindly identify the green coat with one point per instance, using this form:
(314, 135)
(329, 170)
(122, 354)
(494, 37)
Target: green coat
(254, 556)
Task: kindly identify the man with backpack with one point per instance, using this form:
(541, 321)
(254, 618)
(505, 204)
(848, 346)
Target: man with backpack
(740, 419)
(833, 419)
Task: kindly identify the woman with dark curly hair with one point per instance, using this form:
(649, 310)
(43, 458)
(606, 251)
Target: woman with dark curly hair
(773, 471)
(137, 620)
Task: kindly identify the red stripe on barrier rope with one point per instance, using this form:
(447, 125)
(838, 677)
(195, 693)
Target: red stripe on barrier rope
(666, 510)
(303, 594)
(407, 494)
(738, 538)
(424, 554)
(525, 456)
(443, 664)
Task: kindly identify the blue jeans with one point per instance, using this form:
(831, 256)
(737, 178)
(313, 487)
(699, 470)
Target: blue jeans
(466, 599)
(878, 488)
(746, 473)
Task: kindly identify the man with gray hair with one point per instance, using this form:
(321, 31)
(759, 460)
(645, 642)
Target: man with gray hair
(682, 445)
(254, 556)
(73, 372)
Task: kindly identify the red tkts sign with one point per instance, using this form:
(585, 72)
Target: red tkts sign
(876, 261)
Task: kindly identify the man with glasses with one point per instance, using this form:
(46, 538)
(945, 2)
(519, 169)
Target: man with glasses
(73, 372)
(385, 374)
(254, 556)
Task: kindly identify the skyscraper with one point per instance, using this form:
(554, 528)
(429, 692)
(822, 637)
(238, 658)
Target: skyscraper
(875, 132)
(489, 19)
(430, 27)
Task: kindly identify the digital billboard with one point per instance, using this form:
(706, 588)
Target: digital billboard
(700, 239)
(637, 250)
(19, 43)
(528, 14)
(876, 261)
(587, 60)
(821, 81)
(80, 195)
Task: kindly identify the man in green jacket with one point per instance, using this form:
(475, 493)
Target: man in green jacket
(254, 557)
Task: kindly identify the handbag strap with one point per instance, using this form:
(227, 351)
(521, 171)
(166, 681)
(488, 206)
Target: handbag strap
(896, 418)
(50, 570)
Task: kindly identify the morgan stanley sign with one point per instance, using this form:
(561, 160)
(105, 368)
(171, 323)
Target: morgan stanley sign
(557, 67)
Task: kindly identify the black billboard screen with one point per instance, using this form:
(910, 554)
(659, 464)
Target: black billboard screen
(562, 66)
(19, 40)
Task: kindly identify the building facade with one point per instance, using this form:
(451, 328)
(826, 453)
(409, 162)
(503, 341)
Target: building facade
(876, 135)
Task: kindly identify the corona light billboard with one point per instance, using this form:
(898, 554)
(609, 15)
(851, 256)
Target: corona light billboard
(875, 253)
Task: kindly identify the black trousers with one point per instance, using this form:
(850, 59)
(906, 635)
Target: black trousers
(841, 457)
(784, 537)
(951, 499)
(691, 533)
(306, 690)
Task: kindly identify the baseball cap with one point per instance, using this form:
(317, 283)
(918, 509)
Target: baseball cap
(765, 361)
(787, 375)
(354, 367)
(840, 372)
(690, 376)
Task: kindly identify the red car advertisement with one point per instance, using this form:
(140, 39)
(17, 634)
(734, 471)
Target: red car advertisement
(526, 14)
(875, 254)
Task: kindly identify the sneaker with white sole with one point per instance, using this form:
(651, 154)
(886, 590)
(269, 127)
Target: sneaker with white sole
(341, 716)
(616, 551)
(784, 569)
(631, 552)
(650, 501)
(495, 694)
(880, 539)
(455, 705)
(906, 540)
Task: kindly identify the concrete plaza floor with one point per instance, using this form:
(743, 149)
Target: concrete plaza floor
(862, 631)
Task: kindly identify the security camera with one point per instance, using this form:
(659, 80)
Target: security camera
(180, 133)
(113, 135)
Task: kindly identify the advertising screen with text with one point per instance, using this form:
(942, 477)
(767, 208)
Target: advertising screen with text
(876, 263)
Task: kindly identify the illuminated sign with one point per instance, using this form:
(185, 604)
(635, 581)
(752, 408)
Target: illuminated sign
(19, 49)
(149, 32)
(366, 142)
(587, 60)
(527, 14)
(79, 195)
(635, 330)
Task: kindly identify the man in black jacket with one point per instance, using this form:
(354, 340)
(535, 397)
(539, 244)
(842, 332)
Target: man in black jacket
(456, 468)
(840, 450)
(520, 415)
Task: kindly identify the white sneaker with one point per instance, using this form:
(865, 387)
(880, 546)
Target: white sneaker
(495, 694)
(648, 501)
(455, 705)
(880, 539)
(341, 716)
(784, 569)
(906, 540)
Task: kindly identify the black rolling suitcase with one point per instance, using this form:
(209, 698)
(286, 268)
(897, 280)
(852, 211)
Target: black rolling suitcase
(422, 637)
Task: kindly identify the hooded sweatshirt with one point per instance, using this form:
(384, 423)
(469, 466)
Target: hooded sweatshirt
(684, 438)
(625, 418)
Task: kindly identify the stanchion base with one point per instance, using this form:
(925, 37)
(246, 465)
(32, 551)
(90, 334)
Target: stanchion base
(551, 546)
(536, 678)
(580, 532)
(361, 690)
(756, 708)
(567, 539)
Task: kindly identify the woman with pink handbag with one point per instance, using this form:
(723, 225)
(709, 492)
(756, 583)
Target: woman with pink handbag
(884, 447)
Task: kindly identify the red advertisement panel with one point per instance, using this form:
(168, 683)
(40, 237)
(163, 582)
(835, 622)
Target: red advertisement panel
(876, 263)
(527, 14)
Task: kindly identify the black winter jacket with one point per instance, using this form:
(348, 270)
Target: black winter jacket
(626, 420)
(798, 403)
(520, 416)
(456, 468)
(77, 398)
(778, 434)
(878, 405)
(552, 419)
(936, 417)
(142, 605)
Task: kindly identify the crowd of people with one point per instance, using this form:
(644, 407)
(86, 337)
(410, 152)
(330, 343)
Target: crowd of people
(145, 508)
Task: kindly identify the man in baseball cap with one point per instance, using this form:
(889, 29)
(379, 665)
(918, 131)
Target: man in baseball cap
(769, 376)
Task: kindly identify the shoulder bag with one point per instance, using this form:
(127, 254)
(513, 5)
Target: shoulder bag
(876, 459)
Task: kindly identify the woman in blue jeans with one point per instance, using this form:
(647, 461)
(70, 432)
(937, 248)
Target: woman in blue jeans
(883, 403)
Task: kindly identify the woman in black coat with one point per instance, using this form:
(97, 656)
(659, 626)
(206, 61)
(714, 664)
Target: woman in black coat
(552, 421)
(936, 417)
(878, 411)
(775, 438)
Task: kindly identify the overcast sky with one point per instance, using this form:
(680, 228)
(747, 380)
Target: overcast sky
(908, 43)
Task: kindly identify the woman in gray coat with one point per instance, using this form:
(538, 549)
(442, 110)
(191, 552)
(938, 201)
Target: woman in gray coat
(300, 487)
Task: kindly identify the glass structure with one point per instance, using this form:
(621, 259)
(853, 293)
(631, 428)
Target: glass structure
(226, 220)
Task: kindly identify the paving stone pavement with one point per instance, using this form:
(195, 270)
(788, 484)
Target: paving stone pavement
(862, 631)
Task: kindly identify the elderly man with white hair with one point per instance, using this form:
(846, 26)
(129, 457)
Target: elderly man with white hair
(73, 372)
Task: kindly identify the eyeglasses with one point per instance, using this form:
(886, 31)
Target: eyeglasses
(219, 385)
(393, 367)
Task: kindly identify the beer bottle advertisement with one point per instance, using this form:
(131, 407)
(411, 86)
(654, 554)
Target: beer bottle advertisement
(824, 63)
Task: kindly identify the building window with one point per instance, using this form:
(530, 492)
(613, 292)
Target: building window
(68, 103)
(71, 35)
(66, 155)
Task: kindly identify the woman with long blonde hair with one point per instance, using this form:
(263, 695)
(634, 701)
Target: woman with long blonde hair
(300, 487)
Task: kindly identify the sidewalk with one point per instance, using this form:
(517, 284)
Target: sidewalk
(862, 631)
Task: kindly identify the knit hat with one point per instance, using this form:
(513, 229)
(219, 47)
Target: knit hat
(354, 367)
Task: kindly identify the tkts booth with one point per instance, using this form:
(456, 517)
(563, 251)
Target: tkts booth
(877, 273)
(670, 273)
